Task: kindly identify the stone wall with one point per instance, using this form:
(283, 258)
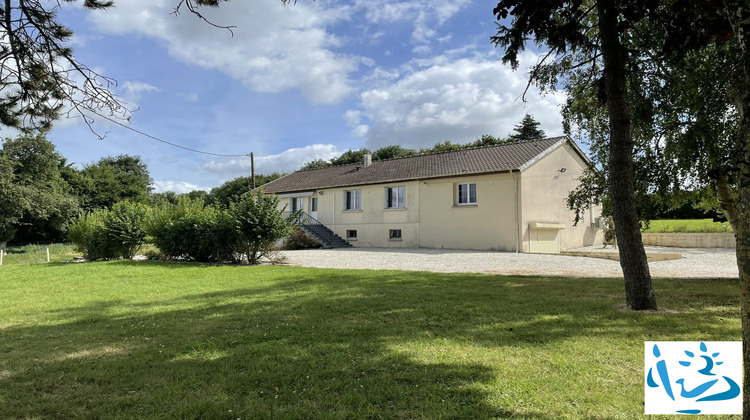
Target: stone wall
(691, 240)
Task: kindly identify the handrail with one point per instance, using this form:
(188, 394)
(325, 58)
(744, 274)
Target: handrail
(300, 217)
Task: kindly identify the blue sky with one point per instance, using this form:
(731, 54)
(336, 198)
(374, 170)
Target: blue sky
(294, 83)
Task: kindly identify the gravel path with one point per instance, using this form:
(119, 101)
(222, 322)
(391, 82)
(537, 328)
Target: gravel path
(696, 263)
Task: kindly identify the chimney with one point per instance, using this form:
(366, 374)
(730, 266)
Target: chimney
(368, 160)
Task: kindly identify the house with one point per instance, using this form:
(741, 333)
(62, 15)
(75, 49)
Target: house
(508, 197)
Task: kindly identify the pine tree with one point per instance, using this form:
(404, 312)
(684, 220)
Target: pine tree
(527, 129)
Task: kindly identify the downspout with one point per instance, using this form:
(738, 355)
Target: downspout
(333, 216)
(419, 214)
(518, 213)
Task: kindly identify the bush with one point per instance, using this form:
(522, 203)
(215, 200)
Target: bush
(189, 231)
(299, 240)
(259, 224)
(107, 234)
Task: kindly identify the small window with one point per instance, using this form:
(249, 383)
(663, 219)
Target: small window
(314, 204)
(353, 200)
(394, 234)
(351, 234)
(466, 194)
(395, 198)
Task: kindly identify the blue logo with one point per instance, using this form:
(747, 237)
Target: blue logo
(691, 377)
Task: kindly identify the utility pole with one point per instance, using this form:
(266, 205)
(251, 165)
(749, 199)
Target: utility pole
(252, 169)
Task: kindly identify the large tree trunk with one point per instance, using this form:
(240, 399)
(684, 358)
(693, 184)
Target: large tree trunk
(639, 294)
(739, 16)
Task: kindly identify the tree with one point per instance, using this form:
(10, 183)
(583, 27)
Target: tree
(41, 77)
(591, 34)
(34, 194)
(10, 196)
(392, 152)
(726, 21)
(198, 195)
(527, 129)
(315, 164)
(232, 191)
(443, 147)
(350, 157)
(488, 140)
(114, 179)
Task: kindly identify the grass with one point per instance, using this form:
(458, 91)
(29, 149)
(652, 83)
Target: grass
(29, 254)
(687, 226)
(148, 339)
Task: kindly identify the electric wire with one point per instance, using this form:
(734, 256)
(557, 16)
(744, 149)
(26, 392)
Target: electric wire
(112, 120)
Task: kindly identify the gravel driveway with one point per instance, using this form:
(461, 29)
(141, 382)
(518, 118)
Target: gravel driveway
(696, 263)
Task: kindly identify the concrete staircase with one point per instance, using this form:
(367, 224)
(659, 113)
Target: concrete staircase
(318, 231)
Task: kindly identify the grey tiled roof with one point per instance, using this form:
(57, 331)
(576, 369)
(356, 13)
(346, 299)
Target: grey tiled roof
(500, 158)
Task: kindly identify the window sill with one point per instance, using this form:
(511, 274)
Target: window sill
(395, 209)
(395, 239)
(465, 205)
(352, 211)
(351, 239)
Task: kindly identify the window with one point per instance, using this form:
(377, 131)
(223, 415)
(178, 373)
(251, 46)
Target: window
(351, 234)
(394, 234)
(314, 204)
(297, 203)
(466, 194)
(353, 200)
(395, 198)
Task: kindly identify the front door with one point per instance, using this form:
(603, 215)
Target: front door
(314, 207)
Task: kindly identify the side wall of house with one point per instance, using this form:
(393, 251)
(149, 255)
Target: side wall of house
(544, 189)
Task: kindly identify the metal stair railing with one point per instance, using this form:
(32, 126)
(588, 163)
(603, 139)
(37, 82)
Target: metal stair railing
(310, 224)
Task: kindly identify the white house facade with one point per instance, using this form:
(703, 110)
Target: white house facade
(507, 197)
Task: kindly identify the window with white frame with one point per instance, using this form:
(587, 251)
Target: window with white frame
(395, 197)
(353, 200)
(394, 234)
(466, 194)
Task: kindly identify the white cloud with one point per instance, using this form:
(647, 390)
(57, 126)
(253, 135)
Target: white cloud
(132, 91)
(287, 161)
(180, 187)
(274, 48)
(427, 15)
(452, 100)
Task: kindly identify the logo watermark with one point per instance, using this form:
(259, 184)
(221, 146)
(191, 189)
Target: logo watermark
(693, 377)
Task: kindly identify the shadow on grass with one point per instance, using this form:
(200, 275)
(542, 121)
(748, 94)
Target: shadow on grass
(317, 343)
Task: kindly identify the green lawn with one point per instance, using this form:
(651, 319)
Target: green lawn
(688, 226)
(151, 339)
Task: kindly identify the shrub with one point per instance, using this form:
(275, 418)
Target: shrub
(189, 231)
(107, 234)
(86, 233)
(259, 224)
(299, 240)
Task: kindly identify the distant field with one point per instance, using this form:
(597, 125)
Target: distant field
(688, 226)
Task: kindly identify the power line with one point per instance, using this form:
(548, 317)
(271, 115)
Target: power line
(160, 140)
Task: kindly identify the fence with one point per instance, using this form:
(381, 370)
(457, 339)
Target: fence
(29, 254)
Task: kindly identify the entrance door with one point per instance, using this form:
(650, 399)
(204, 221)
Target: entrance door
(314, 207)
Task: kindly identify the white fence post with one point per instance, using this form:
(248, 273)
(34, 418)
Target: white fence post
(47, 254)
(1, 256)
